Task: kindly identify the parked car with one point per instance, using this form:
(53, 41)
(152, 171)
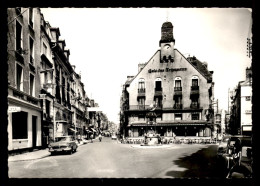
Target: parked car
(222, 147)
(63, 144)
(239, 156)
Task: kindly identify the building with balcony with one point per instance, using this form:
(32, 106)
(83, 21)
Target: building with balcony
(170, 95)
(241, 109)
(24, 63)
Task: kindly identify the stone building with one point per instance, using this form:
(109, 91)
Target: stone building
(47, 93)
(170, 95)
(24, 64)
(241, 109)
(46, 97)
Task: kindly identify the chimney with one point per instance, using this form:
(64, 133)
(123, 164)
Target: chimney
(249, 74)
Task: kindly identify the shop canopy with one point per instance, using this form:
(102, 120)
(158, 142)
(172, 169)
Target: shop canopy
(73, 129)
(165, 124)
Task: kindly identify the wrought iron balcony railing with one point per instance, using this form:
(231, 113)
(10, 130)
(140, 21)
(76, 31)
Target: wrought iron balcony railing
(141, 90)
(194, 105)
(177, 106)
(177, 88)
(195, 87)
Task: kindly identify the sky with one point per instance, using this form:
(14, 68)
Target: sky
(107, 44)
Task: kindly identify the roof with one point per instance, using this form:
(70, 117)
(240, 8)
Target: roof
(201, 67)
(167, 25)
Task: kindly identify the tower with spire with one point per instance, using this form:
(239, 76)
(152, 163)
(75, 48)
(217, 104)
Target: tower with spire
(167, 42)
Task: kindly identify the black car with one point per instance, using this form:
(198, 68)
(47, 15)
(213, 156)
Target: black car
(239, 156)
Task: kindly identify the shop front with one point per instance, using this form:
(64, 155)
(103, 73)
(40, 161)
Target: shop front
(169, 130)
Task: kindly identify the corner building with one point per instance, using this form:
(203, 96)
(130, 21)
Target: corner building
(170, 95)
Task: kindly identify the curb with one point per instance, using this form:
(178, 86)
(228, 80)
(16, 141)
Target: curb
(15, 160)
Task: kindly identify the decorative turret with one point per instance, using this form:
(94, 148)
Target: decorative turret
(167, 43)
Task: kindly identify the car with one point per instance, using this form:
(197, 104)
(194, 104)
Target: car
(65, 144)
(222, 146)
(113, 137)
(238, 157)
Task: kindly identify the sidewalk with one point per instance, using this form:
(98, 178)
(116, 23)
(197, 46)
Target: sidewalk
(37, 154)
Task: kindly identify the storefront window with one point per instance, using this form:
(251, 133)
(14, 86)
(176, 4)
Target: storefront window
(19, 125)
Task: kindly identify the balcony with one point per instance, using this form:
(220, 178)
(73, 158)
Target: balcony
(158, 92)
(141, 92)
(194, 90)
(194, 105)
(177, 106)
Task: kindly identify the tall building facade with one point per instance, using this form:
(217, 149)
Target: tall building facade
(24, 106)
(170, 95)
(46, 97)
(241, 109)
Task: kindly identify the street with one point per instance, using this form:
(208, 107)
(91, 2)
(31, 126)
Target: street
(110, 159)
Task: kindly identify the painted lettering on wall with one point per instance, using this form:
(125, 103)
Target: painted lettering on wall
(167, 70)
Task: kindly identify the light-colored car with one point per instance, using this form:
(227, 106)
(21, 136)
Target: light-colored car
(222, 147)
(63, 144)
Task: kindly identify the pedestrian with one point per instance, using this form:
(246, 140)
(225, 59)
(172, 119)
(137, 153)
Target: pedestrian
(100, 137)
(91, 138)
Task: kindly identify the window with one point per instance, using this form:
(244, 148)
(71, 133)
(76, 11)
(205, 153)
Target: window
(141, 103)
(158, 101)
(177, 84)
(18, 37)
(48, 107)
(194, 102)
(178, 102)
(31, 17)
(31, 43)
(32, 85)
(178, 116)
(195, 116)
(141, 86)
(195, 82)
(19, 77)
(44, 49)
(158, 84)
(63, 89)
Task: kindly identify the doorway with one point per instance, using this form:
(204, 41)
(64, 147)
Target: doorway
(34, 131)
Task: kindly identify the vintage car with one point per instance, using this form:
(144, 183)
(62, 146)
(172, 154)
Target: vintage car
(222, 146)
(65, 144)
(239, 156)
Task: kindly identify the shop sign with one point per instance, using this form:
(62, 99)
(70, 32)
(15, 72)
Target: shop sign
(167, 70)
(14, 109)
(248, 111)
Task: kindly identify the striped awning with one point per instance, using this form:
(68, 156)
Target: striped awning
(166, 124)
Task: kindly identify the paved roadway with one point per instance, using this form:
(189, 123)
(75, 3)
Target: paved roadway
(109, 159)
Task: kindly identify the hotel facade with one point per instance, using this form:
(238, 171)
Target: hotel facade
(171, 95)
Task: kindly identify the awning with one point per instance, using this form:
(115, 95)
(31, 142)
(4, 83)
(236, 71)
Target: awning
(61, 121)
(73, 129)
(93, 130)
(165, 124)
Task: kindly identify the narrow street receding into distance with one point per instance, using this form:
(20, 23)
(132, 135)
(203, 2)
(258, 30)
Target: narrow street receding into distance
(110, 159)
